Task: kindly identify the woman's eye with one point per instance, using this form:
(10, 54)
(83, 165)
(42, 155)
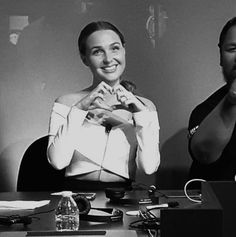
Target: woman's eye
(97, 52)
(115, 48)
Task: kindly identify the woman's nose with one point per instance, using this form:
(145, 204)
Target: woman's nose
(107, 57)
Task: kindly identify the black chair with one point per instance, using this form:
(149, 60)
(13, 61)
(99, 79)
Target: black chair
(35, 173)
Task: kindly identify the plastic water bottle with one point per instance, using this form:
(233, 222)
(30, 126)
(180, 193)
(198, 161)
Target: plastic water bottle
(67, 213)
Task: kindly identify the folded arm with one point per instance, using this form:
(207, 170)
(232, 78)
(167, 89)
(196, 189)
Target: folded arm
(65, 124)
(147, 133)
(214, 132)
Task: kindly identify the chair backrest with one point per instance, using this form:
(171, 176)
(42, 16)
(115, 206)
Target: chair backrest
(35, 173)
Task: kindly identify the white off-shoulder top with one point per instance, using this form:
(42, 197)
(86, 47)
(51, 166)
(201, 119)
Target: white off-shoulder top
(83, 146)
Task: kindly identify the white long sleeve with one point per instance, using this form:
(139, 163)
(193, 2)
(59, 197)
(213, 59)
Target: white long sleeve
(84, 147)
(64, 129)
(147, 132)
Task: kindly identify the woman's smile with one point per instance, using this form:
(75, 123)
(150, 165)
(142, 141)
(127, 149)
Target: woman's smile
(109, 69)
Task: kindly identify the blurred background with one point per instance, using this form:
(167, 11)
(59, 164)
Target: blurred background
(172, 56)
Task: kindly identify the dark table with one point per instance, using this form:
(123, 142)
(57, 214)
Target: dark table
(43, 217)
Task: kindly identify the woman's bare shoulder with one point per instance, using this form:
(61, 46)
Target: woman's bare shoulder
(71, 99)
(148, 103)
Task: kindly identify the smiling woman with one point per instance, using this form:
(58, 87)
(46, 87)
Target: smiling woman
(103, 133)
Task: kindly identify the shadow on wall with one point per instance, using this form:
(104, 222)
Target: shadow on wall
(175, 162)
(10, 166)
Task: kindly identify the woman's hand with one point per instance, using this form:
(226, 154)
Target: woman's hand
(128, 99)
(95, 99)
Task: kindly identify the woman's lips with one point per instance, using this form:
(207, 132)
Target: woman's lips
(109, 69)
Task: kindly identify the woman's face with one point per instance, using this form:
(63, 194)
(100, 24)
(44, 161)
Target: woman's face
(105, 56)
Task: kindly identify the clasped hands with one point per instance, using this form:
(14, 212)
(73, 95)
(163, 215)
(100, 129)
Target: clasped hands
(98, 99)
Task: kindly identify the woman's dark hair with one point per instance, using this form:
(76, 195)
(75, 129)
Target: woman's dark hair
(227, 26)
(128, 85)
(96, 26)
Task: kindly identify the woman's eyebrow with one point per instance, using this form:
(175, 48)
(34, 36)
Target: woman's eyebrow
(96, 47)
(115, 43)
(101, 47)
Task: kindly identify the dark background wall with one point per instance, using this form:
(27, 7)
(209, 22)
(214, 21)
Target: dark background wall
(178, 73)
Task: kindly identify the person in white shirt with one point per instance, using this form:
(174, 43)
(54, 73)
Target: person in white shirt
(104, 133)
